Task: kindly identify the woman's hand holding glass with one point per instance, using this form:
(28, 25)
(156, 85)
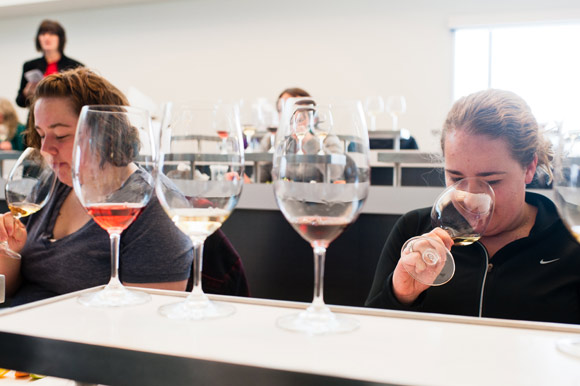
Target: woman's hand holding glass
(459, 216)
(28, 188)
(405, 286)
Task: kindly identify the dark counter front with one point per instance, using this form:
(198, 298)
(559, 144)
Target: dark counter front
(279, 264)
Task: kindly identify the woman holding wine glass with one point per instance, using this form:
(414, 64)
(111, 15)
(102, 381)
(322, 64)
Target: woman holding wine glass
(62, 248)
(525, 265)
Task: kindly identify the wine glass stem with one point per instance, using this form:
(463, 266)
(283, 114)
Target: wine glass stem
(114, 282)
(197, 290)
(373, 122)
(300, 145)
(319, 257)
(395, 122)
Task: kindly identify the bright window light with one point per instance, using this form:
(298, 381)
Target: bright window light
(541, 63)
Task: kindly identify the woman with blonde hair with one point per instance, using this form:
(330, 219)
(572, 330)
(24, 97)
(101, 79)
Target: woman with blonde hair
(526, 265)
(11, 131)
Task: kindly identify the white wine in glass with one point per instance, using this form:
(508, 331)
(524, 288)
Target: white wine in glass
(29, 186)
(321, 194)
(194, 194)
(113, 177)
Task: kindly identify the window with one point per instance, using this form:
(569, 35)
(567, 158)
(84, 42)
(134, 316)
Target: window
(541, 63)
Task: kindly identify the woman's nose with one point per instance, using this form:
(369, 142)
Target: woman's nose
(47, 145)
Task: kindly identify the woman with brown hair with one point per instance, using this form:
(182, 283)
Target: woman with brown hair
(526, 265)
(64, 250)
(50, 40)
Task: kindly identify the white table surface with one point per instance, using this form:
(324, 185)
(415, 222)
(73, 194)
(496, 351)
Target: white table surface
(389, 347)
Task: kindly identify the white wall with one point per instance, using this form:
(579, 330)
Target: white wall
(232, 48)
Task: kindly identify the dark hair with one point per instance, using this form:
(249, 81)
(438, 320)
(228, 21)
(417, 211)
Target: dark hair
(501, 114)
(53, 27)
(294, 92)
(81, 87)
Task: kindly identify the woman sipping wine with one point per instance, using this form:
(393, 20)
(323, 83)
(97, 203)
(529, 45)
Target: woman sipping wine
(526, 265)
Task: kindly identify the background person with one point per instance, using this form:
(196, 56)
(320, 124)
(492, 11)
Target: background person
(50, 40)
(11, 131)
(64, 250)
(526, 265)
(310, 144)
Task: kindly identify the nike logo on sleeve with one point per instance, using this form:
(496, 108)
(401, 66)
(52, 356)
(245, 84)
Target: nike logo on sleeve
(548, 261)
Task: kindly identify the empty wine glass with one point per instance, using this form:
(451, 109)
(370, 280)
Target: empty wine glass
(463, 210)
(567, 197)
(199, 190)
(374, 106)
(113, 177)
(395, 106)
(322, 125)
(29, 186)
(320, 195)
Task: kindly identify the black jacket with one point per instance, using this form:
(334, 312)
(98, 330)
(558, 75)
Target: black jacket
(65, 63)
(536, 278)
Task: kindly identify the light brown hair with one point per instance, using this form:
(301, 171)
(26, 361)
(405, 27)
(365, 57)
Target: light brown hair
(500, 114)
(81, 87)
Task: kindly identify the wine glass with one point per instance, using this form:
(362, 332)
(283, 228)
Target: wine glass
(395, 106)
(567, 197)
(113, 177)
(463, 210)
(322, 126)
(29, 186)
(374, 105)
(196, 202)
(320, 195)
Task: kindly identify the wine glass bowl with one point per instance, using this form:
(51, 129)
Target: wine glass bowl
(113, 177)
(322, 125)
(374, 105)
(29, 186)
(567, 198)
(321, 194)
(199, 190)
(395, 106)
(463, 210)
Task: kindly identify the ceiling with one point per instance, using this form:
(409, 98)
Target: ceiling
(16, 8)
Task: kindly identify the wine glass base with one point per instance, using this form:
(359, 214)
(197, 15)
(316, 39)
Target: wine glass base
(317, 323)
(427, 261)
(114, 297)
(569, 346)
(196, 310)
(5, 250)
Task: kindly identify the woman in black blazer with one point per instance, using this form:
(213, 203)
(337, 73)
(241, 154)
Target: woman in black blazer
(50, 40)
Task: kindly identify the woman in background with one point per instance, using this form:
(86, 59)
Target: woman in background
(11, 131)
(310, 143)
(50, 40)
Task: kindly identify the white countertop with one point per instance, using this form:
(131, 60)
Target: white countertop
(389, 347)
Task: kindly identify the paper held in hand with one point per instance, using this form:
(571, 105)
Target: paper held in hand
(33, 76)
